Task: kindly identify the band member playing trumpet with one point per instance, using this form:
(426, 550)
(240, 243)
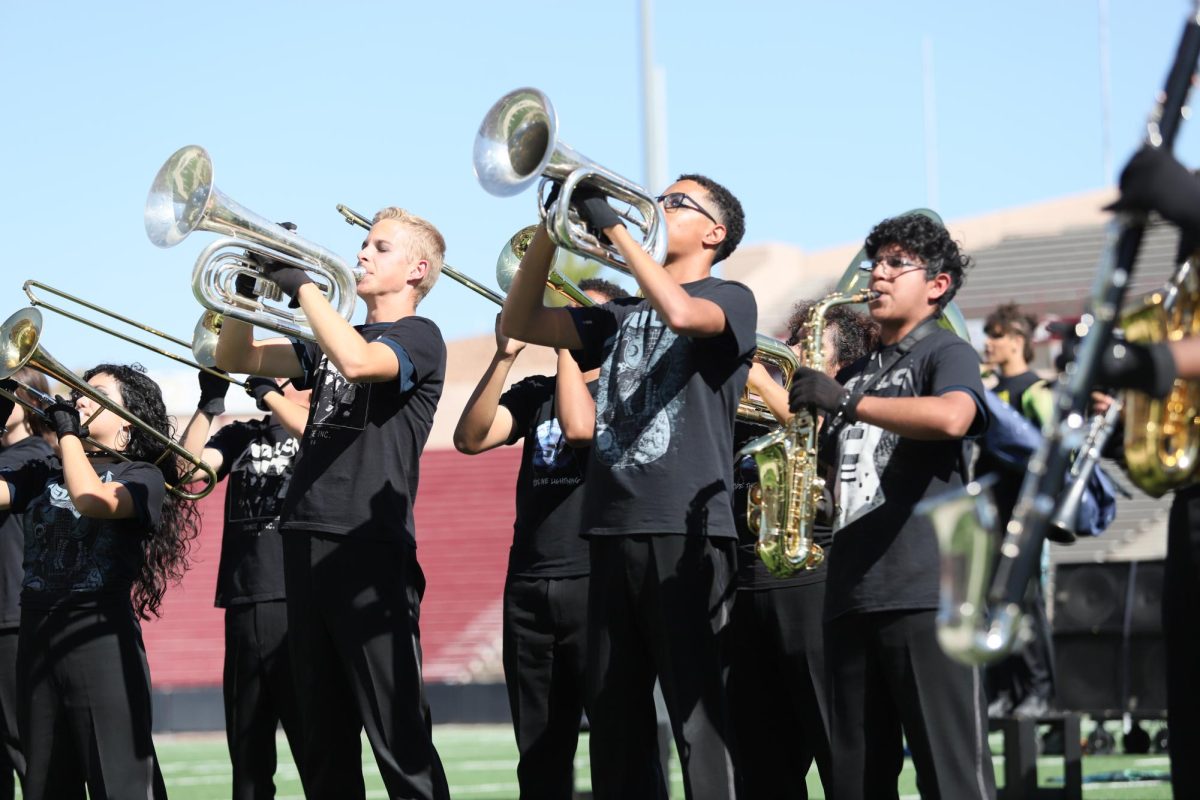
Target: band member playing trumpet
(777, 676)
(102, 540)
(257, 456)
(545, 590)
(895, 423)
(657, 501)
(24, 438)
(351, 576)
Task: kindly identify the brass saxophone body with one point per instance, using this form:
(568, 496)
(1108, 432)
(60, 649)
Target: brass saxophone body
(782, 506)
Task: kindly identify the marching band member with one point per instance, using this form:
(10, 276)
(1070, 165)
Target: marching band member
(96, 531)
(546, 587)
(351, 576)
(24, 438)
(895, 425)
(257, 456)
(657, 502)
(777, 675)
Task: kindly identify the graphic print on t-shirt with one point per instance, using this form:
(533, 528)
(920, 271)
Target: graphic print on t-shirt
(64, 551)
(337, 401)
(551, 446)
(259, 480)
(865, 451)
(640, 397)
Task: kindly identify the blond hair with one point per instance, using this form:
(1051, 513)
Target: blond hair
(425, 243)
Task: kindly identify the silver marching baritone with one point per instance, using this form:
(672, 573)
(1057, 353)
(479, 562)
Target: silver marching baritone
(782, 506)
(517, 145)
(987, 626)
(20, 346)
(184, 199)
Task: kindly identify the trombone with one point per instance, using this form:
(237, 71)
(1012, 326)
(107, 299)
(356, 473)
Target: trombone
(506, 265)
(19, 347)
(203, 344)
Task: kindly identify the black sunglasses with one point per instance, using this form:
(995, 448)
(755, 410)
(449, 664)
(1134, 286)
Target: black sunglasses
(674, 200)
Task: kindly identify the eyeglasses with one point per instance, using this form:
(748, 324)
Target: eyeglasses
(674, 200)
(890, 266)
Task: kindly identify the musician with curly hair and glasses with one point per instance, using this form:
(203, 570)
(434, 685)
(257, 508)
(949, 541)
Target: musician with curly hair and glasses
(895, 424)
(777, 675)
(351, 576)
(546, 584)
(657, 501)
(103, 538)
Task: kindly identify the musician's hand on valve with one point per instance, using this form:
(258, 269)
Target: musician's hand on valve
(595, 210)
(64, 417)
(811, 387)
(259, 388)
(1130, 365)
(290, 279)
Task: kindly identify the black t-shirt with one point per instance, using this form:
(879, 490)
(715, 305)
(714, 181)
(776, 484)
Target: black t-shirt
(12, 533)
(257, 456)
(1011, 389)
(72, 561)
(752, 572)
(358, 466)
(661, 459)
(885, 557)
(546, 538)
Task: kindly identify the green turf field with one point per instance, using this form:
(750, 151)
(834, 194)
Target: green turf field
(481, 763)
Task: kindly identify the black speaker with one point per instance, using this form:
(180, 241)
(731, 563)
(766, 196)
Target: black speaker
(1108, 645)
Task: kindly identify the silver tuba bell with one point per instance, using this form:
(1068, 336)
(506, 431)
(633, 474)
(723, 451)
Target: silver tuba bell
(517, 145)
(183, 199)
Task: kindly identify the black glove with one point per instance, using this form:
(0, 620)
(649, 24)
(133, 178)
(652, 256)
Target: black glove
(243, 284)
(811, 387)
(212, 393)
(595, 211)
(1154, 181)
(6, 405)
(1147, 368)
(259, 388)
(64, 417)
(551, 195)
(289, 278)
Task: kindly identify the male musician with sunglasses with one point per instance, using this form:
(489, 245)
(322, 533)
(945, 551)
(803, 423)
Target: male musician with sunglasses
(894, 427)
(657, 501)
(546, 585)
(351, 576)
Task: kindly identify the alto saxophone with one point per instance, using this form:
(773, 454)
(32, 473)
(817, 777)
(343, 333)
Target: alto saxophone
(782, 506)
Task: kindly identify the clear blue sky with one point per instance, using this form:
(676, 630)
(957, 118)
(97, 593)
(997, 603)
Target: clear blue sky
(810, 111)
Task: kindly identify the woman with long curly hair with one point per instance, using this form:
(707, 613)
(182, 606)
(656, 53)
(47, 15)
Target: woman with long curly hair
(103, 538)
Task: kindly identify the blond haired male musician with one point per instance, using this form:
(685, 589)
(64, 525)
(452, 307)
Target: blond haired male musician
(351, 576)
(657, 501)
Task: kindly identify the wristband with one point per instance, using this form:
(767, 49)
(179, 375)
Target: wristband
(847, 409)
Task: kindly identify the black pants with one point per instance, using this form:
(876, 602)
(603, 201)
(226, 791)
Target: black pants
(545, 652)
(12, 761)
(659, 605)
(777, 690)
(84, 709)
(353, 607)
(887, 676)
(259, 695)
(1180, 610)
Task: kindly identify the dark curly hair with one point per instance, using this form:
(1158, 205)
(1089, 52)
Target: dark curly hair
(167, 545)
(607, 288)
(855, 334)
(1009, 318)
(729, 209)
(927, 239)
